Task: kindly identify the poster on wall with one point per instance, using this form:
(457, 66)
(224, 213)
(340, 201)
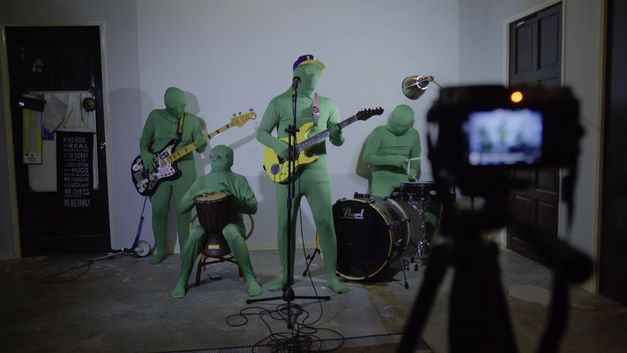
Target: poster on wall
(75, 169)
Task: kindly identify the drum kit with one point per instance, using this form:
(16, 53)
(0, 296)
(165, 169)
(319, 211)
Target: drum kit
(371, 231)
(374, 231)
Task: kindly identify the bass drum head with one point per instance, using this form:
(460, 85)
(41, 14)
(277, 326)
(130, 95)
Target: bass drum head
(366, 230)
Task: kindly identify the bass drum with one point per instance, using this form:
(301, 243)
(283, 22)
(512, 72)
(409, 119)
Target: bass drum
(370, 232)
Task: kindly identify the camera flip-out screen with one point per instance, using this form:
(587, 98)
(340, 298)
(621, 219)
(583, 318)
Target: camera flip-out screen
(504, 137)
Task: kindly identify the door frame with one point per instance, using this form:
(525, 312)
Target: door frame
(592, 284)
(8, 124)
(506, 51)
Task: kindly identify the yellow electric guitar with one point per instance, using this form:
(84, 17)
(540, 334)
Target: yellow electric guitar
(277, 168)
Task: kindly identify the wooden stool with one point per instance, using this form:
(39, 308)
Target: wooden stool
(205, 259)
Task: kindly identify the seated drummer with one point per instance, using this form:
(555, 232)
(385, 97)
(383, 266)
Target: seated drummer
(389, 148)
(242, 200)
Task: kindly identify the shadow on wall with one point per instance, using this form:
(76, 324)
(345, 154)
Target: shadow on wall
(125, 126)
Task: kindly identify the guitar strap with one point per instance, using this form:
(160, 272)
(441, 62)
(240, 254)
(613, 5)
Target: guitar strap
(316, 109)
(179, 129)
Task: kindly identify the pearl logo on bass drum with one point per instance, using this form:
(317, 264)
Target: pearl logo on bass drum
(348, 215)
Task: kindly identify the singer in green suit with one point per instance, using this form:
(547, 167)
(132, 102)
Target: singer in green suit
(312, 180)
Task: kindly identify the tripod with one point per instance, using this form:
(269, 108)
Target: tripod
(288, 293)
(478, 315)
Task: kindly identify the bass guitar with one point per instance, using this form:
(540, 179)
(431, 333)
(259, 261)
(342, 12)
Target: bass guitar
(147, 181)
(277, 168)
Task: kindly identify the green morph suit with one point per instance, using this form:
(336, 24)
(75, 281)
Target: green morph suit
(160, 128)
(387, 150)
(242, 200)
(313, 179)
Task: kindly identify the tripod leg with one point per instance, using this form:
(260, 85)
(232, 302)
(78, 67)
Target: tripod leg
(479, 316)
(434, 274)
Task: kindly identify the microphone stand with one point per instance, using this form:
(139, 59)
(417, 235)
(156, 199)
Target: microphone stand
(288, 293)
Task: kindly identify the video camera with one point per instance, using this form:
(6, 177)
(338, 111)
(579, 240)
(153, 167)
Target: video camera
(478, 131)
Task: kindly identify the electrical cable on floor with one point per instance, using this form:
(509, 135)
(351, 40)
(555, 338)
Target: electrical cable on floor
(303, 337)
(137, 249)
(59, 276)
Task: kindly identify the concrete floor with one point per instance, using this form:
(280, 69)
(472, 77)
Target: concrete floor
(123, 305)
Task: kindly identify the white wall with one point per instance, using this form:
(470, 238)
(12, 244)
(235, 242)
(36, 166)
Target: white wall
(481, 57)
(233, 55)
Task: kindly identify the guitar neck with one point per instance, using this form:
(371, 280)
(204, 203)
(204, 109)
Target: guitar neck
(189, 148)
(322, 135)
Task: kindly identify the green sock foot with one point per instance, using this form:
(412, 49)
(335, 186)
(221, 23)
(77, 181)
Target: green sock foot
(157, 258)
(336, 286)
(178, 292)
(278, 284)
(254, 289)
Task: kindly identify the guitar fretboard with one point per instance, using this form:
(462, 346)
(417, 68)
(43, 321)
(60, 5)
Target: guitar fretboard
(187, 149)
(322, 135)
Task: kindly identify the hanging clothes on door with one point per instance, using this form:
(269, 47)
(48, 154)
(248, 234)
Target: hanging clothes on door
(63, 111)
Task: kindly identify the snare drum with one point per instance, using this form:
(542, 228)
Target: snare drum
(213, 214)
(418, 191)
(370, 232)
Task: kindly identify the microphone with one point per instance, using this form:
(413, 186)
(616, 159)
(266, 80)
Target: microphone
(295, 82)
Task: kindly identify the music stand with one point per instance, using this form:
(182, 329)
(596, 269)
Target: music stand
(288, 293)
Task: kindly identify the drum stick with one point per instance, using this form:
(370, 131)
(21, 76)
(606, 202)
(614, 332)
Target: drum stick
(408, 161)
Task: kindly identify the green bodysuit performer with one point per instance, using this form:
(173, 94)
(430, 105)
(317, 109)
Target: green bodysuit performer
(313, 179)
(242, 200)
(162, 126)
(387, 151)
(388, 148)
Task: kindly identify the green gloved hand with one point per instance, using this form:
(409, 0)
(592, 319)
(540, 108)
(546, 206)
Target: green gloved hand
(201, 146)
(148, 160)
(335, 134)
(281, 149)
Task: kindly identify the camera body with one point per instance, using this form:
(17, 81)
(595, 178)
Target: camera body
(478, 131)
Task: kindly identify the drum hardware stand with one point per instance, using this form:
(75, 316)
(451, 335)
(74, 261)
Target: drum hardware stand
(288, 293)
(397, 249)
(420, 255)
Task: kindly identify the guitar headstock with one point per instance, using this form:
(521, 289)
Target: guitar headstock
(366, 114)
(241, 119)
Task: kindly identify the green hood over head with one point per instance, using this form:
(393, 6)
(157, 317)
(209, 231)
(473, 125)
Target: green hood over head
(401, 119)
(221, 158)
(174, 100)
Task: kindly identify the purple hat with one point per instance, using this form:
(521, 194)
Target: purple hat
(307, 59)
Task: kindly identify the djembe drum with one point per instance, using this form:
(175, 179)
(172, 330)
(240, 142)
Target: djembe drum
(213, 214)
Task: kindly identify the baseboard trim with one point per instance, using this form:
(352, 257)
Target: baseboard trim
(7, 256)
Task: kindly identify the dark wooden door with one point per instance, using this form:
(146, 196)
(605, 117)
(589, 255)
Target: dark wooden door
(60, 62)
(613, 259)
(535, 59)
